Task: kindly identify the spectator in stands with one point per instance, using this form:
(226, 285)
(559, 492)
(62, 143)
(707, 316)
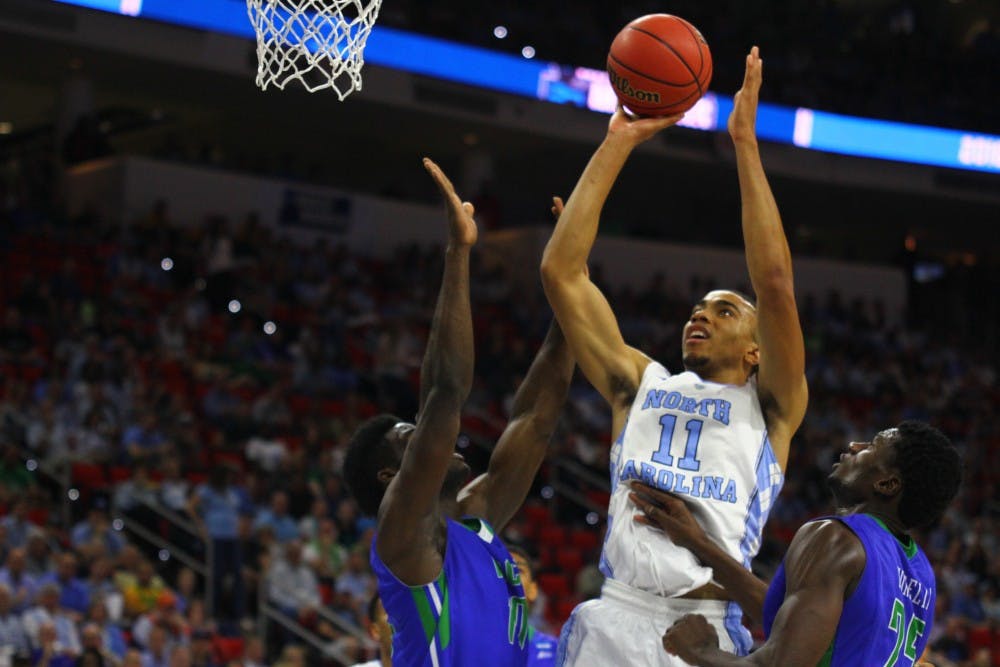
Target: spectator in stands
(14, 575)
(277, 518)
(157, 652)
(202, 649)
(215, 508)
(141, 590)
(292, 656)
(174, 489)
(253, 652)
(46, 612)
(133, 496)
(95, 535)
(543, 646)
(144, 441)
(74, 594)
(12, 633)
(38, 554)
(164, 615)
(292, 586)
(953, 645)
(16, 524)
(51, 648)
(112, 639)
(101, 586)
(92, 641)
(324, 552)
(356, 582)
(379, 630)
(134, 658)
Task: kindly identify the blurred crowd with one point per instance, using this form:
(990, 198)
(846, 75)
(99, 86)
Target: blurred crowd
(197, 385)
(833, 55)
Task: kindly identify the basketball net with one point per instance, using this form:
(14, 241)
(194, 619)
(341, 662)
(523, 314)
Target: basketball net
(318, 43)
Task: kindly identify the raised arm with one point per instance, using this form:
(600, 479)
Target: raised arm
(781, 373)
(407, 515)
(670, 514)
(587, 320)
(823, 564)
(498, 493)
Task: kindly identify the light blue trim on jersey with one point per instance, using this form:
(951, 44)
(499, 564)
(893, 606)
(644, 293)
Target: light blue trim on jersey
(738, 634)
(769, 483)
(564, 635)
(614, 465)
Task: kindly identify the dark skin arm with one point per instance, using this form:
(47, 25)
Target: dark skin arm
(822, 567)
(781, 373)
(410, 525)
(499, 492)
(671, 515)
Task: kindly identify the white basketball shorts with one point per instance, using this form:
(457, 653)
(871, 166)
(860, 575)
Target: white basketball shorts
(625, 627)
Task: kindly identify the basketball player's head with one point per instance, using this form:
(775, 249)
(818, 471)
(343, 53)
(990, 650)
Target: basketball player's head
(912, 468)
(721, 334)
(527, 573)
(374, 455)
(380, 630)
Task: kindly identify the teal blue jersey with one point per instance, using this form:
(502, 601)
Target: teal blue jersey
(474, 613)
(887, 620)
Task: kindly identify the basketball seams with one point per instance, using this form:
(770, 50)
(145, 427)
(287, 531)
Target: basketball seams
(694, 36)
(611, 56)
(673, 51)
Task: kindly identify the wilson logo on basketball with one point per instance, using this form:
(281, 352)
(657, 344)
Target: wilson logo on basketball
(624, 86)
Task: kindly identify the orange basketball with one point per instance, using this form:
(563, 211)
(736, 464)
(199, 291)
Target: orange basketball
(659, 65)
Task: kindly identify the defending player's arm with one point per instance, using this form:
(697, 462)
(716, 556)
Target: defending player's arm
(670, 514)
(446, 378)
(781, 373)
(498, 493)
(824, 563)
(611, 366)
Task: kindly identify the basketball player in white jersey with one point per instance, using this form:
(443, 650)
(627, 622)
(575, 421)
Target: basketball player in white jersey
(717, 433)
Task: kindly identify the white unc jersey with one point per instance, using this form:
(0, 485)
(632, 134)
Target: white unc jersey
(706, 442)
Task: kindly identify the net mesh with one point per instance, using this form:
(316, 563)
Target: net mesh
(318, 43)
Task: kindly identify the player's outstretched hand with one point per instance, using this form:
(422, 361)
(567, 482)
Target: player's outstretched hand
(635, 129)
(689, 637)
(743, 119)
(668, 513)
(462, 228)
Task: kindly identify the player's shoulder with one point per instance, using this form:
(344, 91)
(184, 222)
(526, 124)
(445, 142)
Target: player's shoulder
(827, 543)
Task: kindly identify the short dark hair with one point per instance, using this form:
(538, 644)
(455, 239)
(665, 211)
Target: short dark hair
(367, 453)
(931, 472)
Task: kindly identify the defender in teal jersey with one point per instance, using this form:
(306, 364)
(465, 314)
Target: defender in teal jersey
(450, 588)
(854, 590)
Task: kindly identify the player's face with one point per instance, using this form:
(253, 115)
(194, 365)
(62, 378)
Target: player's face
(720, 331)
(860, 465)
(527, 580)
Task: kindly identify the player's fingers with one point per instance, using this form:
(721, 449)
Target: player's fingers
(656, 494)
(443, 182)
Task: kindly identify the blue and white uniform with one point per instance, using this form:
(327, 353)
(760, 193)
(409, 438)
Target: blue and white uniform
(474, 613)
(708, 443)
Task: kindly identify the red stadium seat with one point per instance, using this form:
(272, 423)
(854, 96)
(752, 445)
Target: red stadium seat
(586, 539)
(569, 560)
(88, 476)
(552, 535)
(555, 585)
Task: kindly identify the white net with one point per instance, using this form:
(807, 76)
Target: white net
(318, 43)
